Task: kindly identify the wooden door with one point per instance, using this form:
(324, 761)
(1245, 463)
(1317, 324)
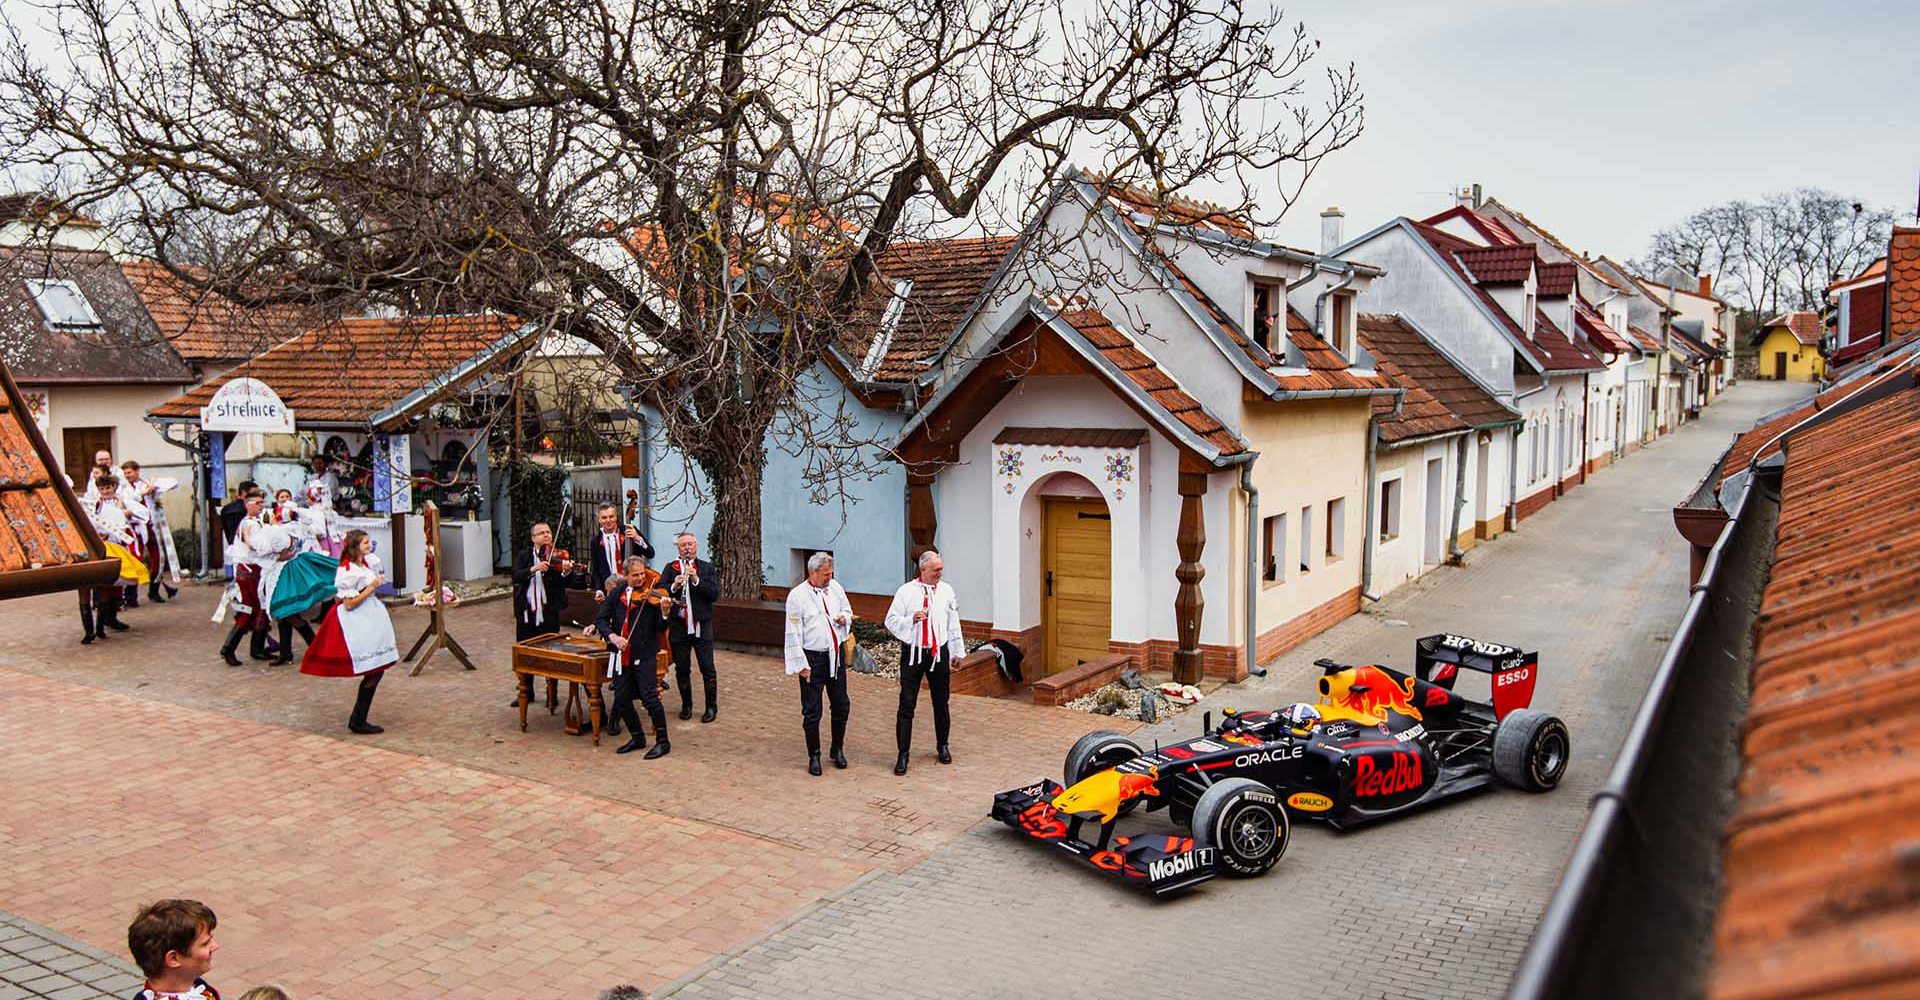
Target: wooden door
(1077, 582)
(80, 444)
(1780, 365)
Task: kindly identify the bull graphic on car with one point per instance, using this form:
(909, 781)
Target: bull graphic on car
(1377, 743)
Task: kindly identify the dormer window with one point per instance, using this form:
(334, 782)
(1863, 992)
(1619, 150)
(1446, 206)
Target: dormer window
(1340, 334)
(63, 305)
(1528, 310)
(1269, 314)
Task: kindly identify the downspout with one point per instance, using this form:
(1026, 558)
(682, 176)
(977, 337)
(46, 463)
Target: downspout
(1253, 567)
(1586, 433)
(1454, 554)
(1513, 459)
(1320, 308)
(1367, 540)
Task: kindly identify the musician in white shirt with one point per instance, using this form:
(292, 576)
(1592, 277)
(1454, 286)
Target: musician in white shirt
(818, 620)
(925, 617)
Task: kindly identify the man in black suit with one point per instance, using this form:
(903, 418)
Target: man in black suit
(612, 545)
(694, 586)
(630, 624)
(539, 586)
(236, 510)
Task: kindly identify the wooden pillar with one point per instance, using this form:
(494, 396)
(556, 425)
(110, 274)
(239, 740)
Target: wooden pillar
(922, 522)
(1188, 604)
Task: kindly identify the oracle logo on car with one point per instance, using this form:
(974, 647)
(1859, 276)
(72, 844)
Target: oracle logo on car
(1198, 859)
(1269, 756)
(1371, 781)
(1312, 802)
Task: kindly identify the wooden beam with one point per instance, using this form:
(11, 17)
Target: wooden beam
(1188, 604)
(922, 522)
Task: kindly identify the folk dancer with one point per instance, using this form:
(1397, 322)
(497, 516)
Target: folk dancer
(630, 621)
(277, 546)
(612, 546)
(235, 510)
(356, 638)
(925, 617)
(142, 496)
(100, 606)
(323, 525)
(102, 466)
(819, 619)
(694, 586)
(249, 617)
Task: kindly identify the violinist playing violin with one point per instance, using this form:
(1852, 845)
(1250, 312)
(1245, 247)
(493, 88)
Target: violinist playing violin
(631, 621)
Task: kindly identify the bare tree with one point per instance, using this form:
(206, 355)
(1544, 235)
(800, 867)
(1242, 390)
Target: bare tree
(1778, 253)
(699, 188)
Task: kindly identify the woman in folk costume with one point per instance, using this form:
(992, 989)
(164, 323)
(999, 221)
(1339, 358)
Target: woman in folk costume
(322, 523)
(631, 621)
(305, 584)
(100, 606)
(356, 639)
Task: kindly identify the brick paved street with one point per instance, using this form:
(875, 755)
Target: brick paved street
(1437, 905)
(38, 962)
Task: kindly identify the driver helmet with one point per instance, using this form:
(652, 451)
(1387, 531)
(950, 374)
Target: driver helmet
(1300, 715)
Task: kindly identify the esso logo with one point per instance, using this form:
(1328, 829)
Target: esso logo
(1512, 677)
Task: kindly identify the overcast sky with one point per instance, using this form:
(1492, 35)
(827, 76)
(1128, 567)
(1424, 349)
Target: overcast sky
(1604, 121)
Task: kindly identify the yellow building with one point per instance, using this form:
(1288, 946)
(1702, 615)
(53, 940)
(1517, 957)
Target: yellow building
(1790, 347)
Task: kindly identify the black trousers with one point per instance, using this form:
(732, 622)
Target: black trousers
(636, 681)
(687, 648)
(939, 675)
(835, 689)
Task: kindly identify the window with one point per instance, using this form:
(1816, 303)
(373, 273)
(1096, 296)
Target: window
(1269, 314)
(1390, 509)
(1273, 547)
(1342, 324)
(1527, 311)
(798, 559)
(1336, 529)
(62, 304)
(1306, 539)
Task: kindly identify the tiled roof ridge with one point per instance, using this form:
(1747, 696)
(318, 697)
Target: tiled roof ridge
(1577, 259)
(1203, 211)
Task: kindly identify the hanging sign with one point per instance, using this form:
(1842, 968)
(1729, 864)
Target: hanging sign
(217, 465)
(392, 473)
(246, 405)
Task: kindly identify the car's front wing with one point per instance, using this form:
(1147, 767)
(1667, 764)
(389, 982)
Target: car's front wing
(1156, 863)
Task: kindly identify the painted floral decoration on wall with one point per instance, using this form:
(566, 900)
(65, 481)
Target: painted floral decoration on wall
(1119, 468)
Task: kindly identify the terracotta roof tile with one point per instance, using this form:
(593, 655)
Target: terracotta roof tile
(1177, 210)
(1580, 259)
(1821, 888)
(350, 370)
(1498, 265)
(1597, 330)
(1549, 348)
(125, 347)
(1556, 280)
(1557, 351)
(1646, 340)
(1140, 368)
(204, 326)
(1903, 285)
(40, 524)
(1440, 397)
(1803, 324)
(947, 276)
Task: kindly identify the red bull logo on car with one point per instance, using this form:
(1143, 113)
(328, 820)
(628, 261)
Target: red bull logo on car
(1373, 781)
(1365, 694)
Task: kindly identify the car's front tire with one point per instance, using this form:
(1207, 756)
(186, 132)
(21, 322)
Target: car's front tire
(1097, 751)
(1245, 824)
(1531, 750)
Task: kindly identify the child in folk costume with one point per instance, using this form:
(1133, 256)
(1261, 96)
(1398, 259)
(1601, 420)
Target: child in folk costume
(142, 496)
(172, 942)
(631, 621)
(100, 606)
(356, 639)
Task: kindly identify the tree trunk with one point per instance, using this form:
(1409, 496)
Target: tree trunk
(735, 541)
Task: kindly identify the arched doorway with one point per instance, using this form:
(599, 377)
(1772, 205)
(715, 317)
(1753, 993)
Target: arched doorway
(1076, 567)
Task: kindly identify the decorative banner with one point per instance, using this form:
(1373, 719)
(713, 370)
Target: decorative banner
(382, 491)
(246, 404)
(393, 473)
(40, 406)
(217, 465)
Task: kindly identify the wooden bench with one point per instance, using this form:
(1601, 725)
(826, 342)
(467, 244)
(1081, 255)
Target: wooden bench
(1071, 683)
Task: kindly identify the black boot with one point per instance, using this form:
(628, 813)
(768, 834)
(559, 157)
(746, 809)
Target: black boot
(286, 646)
(257, 643)
(839, 737)
(110, 615)
(839, 759)
(658, 716)
(713, 710)
(639, 742)
(130, 597)
(900, 763)
(153, 593)
(660, 749)
(86, 619)
(813, 763)
(946, 756)
(232, 643)
(686, 701)
(357, 723)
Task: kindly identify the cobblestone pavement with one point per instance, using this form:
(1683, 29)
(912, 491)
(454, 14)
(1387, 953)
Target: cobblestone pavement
(453, 850)
(1439, 904)
(37, 962)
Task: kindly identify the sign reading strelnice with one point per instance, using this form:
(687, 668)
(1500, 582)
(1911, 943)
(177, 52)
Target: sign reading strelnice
(246, 404)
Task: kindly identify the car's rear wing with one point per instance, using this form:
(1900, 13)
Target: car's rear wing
(1437, 659)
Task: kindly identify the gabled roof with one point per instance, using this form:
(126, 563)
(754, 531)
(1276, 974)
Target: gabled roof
(1441, 397)
(1498, 265)
(1692, 340)
(1548, 349)
(204, 326)
(1647, 341)
(1818, 852)
(1039, 339)
(1557, 280)
(1490, 229)
(46, 543)
(1875, 270)
(1764, 438)
(1557, 351)
(368, 372)
(1146, 208)
(1803, 324)
(1541, 231)
(1596, 329)
(126, 346)
(889, 338)
(1903, 285)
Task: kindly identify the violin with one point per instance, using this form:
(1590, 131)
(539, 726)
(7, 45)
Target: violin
(649, 589)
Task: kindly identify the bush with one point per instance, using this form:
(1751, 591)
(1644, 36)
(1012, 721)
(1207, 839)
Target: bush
(534, 494)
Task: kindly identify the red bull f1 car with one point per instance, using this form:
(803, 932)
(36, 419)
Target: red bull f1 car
(1378, 743)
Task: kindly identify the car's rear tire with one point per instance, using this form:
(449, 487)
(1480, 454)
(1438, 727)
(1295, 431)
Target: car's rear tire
(1531, 750)
(1245, 824)
(1096, 752)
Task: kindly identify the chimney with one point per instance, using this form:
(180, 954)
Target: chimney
(1331, 222)
(1476, 197)
(1706, 284)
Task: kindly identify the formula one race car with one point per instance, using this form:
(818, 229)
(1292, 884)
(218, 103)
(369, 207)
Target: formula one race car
(1378, 743)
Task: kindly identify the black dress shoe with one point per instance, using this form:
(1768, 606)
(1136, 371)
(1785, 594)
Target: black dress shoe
(709, 714)
(610, 725)
(839, 759)
(660, 749)
(946, 756)
(225, 654)
(364, 728)
(686, 711)
(813, 763)
(117, 625)
(900, 764)
(638, 742)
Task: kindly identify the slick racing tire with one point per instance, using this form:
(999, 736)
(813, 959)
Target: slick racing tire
(1097, 751)
(1243, 821)
(1531, 750)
